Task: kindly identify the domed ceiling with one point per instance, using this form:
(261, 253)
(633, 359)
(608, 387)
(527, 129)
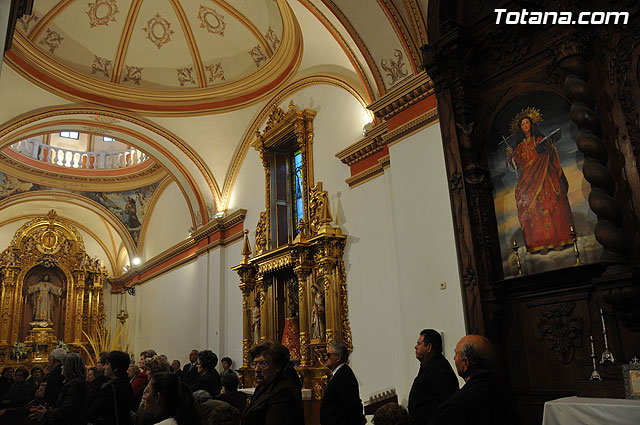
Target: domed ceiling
(159, 56)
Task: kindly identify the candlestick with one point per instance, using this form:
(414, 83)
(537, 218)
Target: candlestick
(595, 376)
(515, 250)
(576, 253)
(606, 354)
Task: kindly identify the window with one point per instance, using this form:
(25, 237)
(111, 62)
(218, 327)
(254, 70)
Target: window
(70, 135)
(107, 139)
(296, 190)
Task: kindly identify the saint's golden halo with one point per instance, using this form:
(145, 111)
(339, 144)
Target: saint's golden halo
(534, 113)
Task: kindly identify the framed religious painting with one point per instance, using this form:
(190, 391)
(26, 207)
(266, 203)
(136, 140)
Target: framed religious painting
(539, 192)
(631, 378)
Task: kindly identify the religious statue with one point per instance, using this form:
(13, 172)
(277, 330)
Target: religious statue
(255, 320)
(43, 292)
(317, 313)
(543, 207)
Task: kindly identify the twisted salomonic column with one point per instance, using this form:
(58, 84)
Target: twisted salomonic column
(601, 199)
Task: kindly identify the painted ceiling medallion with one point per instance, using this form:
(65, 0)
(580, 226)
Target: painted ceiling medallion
(100, 66)
(211, 20)
(26, 21)
(215, 71)
(101, 12)
(51, 40)
(158, 30)
(132, 73)
(184, 76)
(258, 56)
(273, 38)
(395, 70)
(105, 120)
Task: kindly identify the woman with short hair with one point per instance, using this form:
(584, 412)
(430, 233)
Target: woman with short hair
(209, 379)
(71, 407)
(169, 401)
(116, 397)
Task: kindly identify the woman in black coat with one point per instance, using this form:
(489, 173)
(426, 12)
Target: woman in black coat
(116, 396)
(276, 400)
(209, 379)
(71, 407)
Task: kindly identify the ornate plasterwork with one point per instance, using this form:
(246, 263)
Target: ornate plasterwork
(132, 73)
(257, 55)
(211, 20)
(26, 21)
(185, 75)
(395, 69)
(97, 15)
(273, 39)
(51, 40)
(158, 30)
(215, 71)
(101, 66)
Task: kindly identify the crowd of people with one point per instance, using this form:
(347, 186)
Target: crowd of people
(119, 392)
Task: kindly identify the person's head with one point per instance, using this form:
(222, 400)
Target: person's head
(226, 363)
(56, 357)
(116, 364)
(45, 277)
(201, 396)
(7, 372)
(230, 382)
(391, 414)
(207, 361)
(133, 370)
(168, 397)
(91, 374)
(41, 388)
(102, 359)
(175, 365)
(336, 355)
(526, 126)
(73, 366)
(268, 359)
(474, 355)
(20, 375)
(37, 373)
(225, 415)
(146, 354)
(428, 346)
(157, 364)
(193, 356)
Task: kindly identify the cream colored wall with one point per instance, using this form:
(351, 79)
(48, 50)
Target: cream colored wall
(169, 222)
(8, 231)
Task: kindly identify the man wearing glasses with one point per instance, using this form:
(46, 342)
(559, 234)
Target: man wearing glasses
(341, 404)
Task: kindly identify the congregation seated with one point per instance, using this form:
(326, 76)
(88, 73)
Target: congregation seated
(20, 415)
(21, 391)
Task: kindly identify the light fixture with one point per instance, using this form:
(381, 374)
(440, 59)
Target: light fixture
(126, 268)
(220, 214)
(136, 261)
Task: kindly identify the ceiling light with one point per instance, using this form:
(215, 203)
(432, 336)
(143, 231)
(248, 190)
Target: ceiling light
(136, 261)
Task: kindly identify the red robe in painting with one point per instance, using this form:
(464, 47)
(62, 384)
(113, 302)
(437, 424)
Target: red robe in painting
(541, 197)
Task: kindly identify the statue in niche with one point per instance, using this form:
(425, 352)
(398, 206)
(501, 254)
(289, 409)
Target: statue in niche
(255, 320)
(43, 293)
(317, 313)
(292, 298)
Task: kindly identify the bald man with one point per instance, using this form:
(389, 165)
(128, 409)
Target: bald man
(481, 401)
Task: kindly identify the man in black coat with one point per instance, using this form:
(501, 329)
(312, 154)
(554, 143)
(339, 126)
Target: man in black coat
(230, 393)
(116, 397)
(190, 371)
(21, 391)
(341, 404)
(436, 380)
(481, 401)
(54, 378)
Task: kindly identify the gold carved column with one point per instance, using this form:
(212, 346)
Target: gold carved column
(247, 274)
(302, 272)
(8, 304)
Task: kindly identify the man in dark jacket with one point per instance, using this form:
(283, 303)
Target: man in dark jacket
(190, 371)
(20, 392)
(54, 378)
(230, 393)
(481, 401)
(436, 380)
(341, 404)
(116, 397)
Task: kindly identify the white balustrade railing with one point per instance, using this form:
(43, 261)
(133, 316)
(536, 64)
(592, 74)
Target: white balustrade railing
(101, 160)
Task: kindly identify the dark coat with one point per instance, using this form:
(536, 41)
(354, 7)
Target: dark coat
(481, 401)
(276, 403)
(209, 381)
(190, 374)
(435, 383)
(118, 390)
(234, 398)
(341, 404)
(94, 388)
(71, 407)
(19, 394)
(54, 385)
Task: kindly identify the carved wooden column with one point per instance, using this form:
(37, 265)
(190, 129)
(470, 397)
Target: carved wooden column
(247, 274)
(302, 271)
(95, 300)
(8, 307)
(78, 311)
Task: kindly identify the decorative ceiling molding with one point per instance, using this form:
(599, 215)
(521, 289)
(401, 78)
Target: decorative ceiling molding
(158, 21)
(406, 37)
(247, 23)
(123, 45)
(191, 42)
(94, 10)
(403, 96)
(261, 117)
(46, 19)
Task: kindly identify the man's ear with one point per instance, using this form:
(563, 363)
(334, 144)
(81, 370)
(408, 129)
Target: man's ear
(429, 347)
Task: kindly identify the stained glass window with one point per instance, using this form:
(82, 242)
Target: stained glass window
(296, 190)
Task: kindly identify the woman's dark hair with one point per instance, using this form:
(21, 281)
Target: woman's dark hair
(225, 415)
(33, 369)
(277, 353)
(6, 370)
(228, 360)
(119, 361)
(392, 414)
(178, 400)
(535, 131)
(230, 382)
(208, 360)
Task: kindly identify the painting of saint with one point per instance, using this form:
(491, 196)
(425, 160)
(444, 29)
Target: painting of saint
(541, 192)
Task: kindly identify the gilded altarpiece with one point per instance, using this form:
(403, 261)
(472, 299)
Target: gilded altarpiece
(51, 290)
(295, 292)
